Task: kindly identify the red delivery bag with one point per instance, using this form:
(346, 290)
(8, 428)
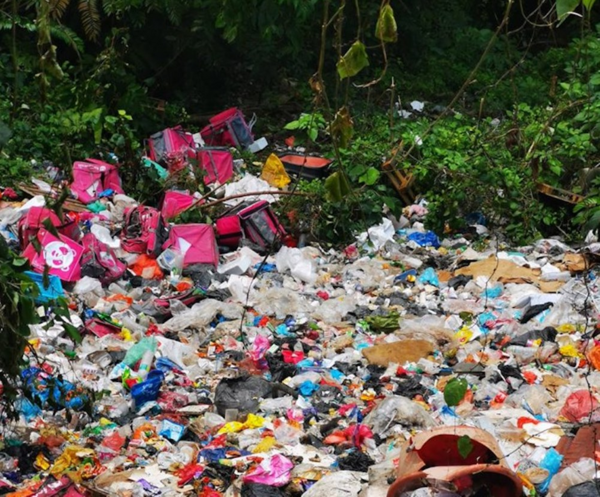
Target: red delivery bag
(143, 231)
(32, 222)
(61, 255)
(217, 164)
(261, 225)
(91, 177)
(229, 231)
(99, 261)
(175, 203)
(196, 242)
(172, 147)
(229, 129)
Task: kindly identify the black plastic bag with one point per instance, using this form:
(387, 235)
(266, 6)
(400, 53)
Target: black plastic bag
(548, 334)
(586, 489)
(260, 490)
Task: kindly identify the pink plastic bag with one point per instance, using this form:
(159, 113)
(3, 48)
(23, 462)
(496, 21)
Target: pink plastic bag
(273, 471)
(61, 255)
(196, 242)
(91, 177)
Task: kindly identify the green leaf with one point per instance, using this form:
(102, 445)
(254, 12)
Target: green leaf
(593, 223)
(313, 133)
(588, 4)
(565, 7)
(337, 187)
(386, 28)
(342, 127)
(353, 61)
(370, 177)
(97, 127)
(465, 446)
(72, 332)
(19, 261)
(292, 125)
(383, 324)
(455, 391)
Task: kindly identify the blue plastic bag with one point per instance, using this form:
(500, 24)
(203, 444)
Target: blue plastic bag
(53, 291)
(551, 463)
(493, 292)
(148, 390)
(429, 277)
(307, 388)
(404, 276)
(427, 239)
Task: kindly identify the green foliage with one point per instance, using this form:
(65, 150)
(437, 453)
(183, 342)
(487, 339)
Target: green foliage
(455, 391)
(310, 124)
(353, 61)
(386, 28)
(18, 311)
(465, 446)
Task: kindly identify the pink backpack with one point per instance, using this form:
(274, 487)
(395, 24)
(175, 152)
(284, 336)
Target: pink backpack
(261, 225)
(229, 129)
(217, 164)
(172, 147)
(196, 242)
(99, 261)
(32, 222)
(143, 231)
(92, 177)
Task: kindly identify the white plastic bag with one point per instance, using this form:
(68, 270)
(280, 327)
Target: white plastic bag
(301, 267)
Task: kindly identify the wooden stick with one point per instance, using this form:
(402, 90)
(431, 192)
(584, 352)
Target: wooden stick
(240, 195)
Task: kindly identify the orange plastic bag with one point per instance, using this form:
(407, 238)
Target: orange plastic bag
(147, 268)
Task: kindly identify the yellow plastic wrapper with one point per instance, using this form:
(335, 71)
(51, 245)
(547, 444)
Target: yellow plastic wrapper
(464, 335)
(71, 457)
(368, 395)
(253, 421)
(41, 463)
(126, 334)
(231, 427)
(566, 328)
(264, 445)
(569, 351)
(274, 173)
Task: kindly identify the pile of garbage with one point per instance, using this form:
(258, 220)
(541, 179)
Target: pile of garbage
(218, 361)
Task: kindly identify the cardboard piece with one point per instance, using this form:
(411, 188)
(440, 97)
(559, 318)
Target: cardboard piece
(501, 270)
(398, 352)
(576, 263)
(506, 271)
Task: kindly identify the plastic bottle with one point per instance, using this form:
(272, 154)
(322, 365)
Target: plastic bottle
(135, 353)
(145, 364)
(523, 355)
